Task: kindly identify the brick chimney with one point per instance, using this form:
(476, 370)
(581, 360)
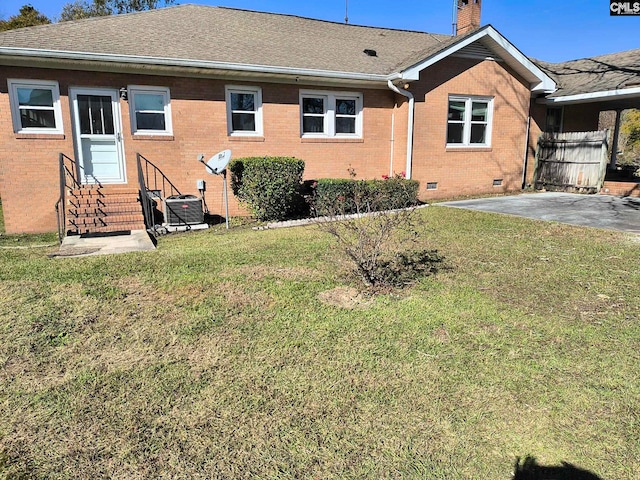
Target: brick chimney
(468, 16)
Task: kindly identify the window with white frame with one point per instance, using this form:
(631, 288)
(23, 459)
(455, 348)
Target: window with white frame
(35, 106)
(244, 110)
(469, 121)
(150, 110)
(330, 114)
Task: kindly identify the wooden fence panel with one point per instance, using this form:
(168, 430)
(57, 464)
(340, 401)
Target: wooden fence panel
(571, 161)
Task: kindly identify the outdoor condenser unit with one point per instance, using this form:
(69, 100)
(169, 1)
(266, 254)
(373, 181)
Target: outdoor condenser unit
(183, 209)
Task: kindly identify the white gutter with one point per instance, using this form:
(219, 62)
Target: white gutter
(177, 62)
(594, 96)
(407, 94)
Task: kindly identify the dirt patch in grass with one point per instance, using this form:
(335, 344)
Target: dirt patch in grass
(345, 297)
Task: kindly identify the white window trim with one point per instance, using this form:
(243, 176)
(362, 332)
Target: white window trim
(14, 84)
(330, 113)
(142, 89)
(257, 92)
(466, 131)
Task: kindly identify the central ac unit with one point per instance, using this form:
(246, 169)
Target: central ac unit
(183, 209)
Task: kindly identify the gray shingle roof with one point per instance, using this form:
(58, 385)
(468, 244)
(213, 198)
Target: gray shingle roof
(218, 34)
(607, 72)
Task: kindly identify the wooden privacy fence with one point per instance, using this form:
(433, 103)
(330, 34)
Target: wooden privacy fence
(571, 161)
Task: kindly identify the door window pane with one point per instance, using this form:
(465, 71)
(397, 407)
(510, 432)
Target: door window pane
(96, 115)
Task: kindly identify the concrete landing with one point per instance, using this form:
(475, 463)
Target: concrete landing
(107, 244)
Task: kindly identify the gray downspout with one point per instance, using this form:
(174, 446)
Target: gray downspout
(404, 93)
(526, 151)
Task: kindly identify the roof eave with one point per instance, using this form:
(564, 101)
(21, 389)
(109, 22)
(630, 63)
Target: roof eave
(53, 56)
(605, 95)
(538, 80)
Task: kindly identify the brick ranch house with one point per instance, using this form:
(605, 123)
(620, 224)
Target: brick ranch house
(458, 113)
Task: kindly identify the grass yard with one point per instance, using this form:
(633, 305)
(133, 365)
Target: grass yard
(219, 356)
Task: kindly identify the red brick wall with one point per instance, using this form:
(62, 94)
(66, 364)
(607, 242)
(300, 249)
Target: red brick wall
(469, 171)
(29, 164)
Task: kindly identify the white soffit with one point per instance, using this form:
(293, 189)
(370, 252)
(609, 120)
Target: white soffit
(489, 38)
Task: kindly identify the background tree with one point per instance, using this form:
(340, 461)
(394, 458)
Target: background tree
(630, 128)
(97, 8)
(27, 17)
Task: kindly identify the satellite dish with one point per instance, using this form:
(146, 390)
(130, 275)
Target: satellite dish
(219, 162)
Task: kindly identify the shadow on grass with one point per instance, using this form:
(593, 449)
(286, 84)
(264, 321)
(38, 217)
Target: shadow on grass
(530, 469)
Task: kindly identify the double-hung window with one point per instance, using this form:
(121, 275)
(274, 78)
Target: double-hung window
(469, 121)
(35, 106)
(150, 110)
(244, 110)
(330, 114)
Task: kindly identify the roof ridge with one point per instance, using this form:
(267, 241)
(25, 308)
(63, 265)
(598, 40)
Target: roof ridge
(353, 25)
(596, 57)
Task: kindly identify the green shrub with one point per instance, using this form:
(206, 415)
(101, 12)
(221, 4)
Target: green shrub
(269, 186)
(344, 196)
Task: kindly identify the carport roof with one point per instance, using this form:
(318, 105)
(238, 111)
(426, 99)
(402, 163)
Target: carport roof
(612, 77)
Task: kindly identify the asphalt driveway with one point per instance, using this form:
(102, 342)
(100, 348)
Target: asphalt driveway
(599, 211)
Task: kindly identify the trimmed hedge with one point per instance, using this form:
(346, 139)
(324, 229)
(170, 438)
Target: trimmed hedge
(337, 196)
(269, 186)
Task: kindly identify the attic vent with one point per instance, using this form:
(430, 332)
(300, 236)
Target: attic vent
(371, 53)
(476, 50)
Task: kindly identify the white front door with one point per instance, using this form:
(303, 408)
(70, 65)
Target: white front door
(98, 135)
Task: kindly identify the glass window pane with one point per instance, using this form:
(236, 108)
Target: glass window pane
(35, 97)
(454, 133)
(243, 101)
(346, 107)
(96, 115)
(478, 133)
(313, 125)
(245, 122)
(456, 110)
(479, 111)
(149, 101)
(150, 121)
(345, 125)
(37, 118)
(83, 113)
(313, 105)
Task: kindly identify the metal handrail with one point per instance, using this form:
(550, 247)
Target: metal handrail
(67, 180)
(150, 177)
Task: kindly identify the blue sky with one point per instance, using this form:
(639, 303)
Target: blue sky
(550, 30)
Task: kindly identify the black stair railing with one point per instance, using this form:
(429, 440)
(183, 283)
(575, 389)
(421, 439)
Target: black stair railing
(68, 180)
(154, 185)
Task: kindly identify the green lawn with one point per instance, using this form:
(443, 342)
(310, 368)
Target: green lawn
(217, 357)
